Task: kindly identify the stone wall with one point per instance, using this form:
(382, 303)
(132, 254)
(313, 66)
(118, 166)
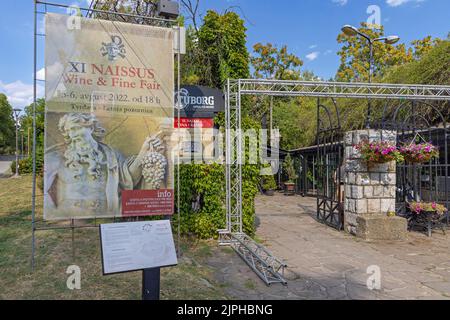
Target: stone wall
(369, 189)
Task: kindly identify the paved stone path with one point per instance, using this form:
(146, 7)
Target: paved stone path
(327, 264)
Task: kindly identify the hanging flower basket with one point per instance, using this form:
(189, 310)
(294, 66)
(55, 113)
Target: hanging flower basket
(379, 152)
(419, 153)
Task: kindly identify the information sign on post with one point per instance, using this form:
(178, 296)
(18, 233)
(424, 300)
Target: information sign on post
(136, 246)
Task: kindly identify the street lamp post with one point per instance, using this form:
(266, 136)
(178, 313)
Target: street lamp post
(352, 31)
(16, 119)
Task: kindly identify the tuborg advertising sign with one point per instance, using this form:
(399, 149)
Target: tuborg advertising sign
(199, 102)
(109, 119)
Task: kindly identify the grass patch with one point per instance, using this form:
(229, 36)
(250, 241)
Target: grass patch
(191, 279)
(249, 284)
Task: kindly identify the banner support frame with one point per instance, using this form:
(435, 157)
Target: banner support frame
(38, 11)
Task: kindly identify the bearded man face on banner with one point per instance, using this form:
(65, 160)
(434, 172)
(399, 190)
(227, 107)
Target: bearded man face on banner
(82, 133)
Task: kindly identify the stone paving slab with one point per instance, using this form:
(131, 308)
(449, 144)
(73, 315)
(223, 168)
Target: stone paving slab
(328, 264)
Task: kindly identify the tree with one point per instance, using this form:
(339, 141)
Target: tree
(432, 69)
(7, 125)
(355, 56)
(222, 38)
(270, 62)
(192, 8)
(422, 47)
(26, 121)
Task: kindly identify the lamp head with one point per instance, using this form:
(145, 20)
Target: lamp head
(392, 39)
(349, 30)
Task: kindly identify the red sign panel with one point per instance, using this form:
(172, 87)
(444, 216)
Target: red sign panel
(191, 123)
(136, 203)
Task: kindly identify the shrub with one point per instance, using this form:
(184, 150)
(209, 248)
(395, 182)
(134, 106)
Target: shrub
(268, 183)
(26, 165)
(288, 166)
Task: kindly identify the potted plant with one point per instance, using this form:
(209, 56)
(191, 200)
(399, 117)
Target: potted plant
(427, 215)
(289, 168)
(379, 152)
(419, 153)
(269, 185)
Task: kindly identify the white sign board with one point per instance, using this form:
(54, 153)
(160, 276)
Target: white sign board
(137, 246)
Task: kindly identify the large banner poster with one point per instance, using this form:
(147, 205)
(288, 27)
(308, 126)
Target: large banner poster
(109, 119)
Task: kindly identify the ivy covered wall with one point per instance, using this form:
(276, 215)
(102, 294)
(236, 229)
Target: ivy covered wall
(203, 194)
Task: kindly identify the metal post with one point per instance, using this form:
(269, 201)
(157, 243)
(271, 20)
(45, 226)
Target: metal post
(16, 119)
(22, 134)
(33, 197)
(178, 134)
(151, 284)
(369, 107)
(271, 119)
(28, 142)
(72, 225)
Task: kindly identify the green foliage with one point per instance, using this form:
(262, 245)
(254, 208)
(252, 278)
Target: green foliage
(26, 165)
(288, 166)
(216, 52)
(296, 120)
(222, 39)
(355, 56)
(268, 183)
(26, 122)
(422, 47)
(7, 127)
(202, 195)
(432, 68)
(250, 176)
(272, 63)
(429, 63)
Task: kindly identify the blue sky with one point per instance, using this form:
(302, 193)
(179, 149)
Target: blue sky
(308, 27)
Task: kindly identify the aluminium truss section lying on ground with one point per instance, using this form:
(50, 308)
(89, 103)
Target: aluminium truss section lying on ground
(269, 268)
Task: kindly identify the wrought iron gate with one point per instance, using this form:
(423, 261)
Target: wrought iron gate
(329, 164)
(421, 122)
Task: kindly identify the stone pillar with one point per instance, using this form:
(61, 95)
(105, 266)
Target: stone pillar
(370, 191)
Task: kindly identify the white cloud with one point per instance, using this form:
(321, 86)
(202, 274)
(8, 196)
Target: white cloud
(20, 94)
(313, 55)
(313, 46)
(397, 3)
(40, 75)
(340, 2)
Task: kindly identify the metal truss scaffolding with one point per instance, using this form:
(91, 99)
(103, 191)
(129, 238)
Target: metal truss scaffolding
(344, 90)
(266, 266)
